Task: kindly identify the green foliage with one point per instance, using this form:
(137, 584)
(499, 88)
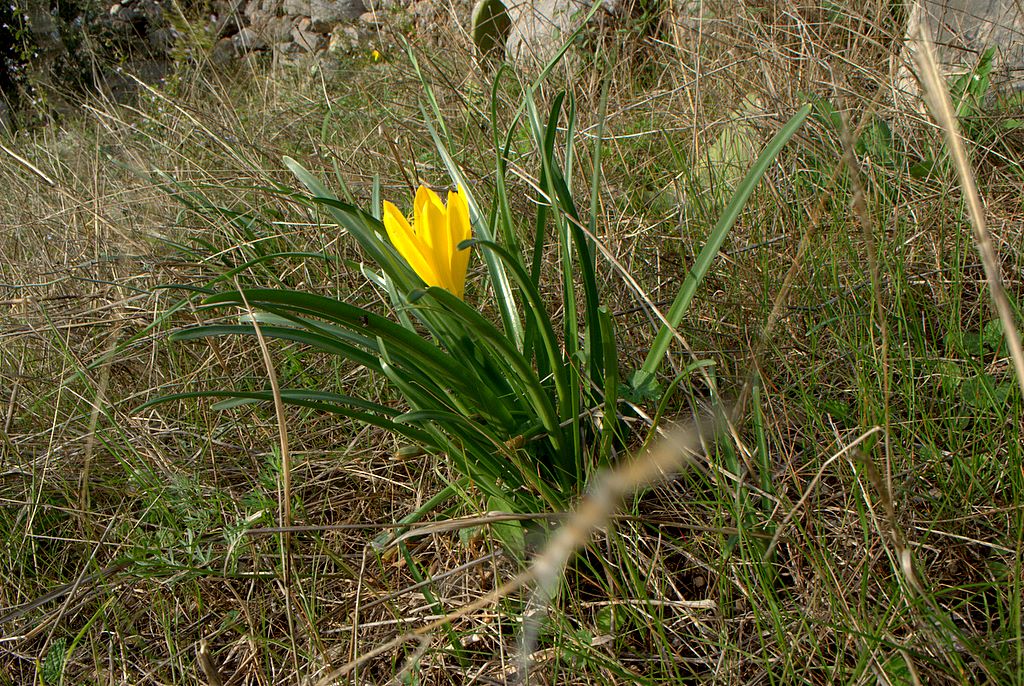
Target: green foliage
(526, 412)
(643, 382)
(490, 28)
(516, 417)
(53, 663)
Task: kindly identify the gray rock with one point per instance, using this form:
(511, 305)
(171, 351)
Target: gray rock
(539, 26)
(224, 53)
(276, 29)
(252, 9)
(287, 47)
(962, 30)
(261, 8)
(306, 38)
(224, 7)
(346, 40)
(248, 40)
(326, 13)
(380, 6)
(371, 19)
(299, 8)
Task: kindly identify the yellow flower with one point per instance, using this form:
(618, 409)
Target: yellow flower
(430, 245)
(375, 55)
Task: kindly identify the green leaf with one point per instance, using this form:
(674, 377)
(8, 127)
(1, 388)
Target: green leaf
(490, 28)
(503, 346)
(537, 313)
(992, 334)
(610, 421)
(409, 345)
(334, 403)
(984, 393)
(510, 533)
(325, 343)
(53, 663)
(645, 375)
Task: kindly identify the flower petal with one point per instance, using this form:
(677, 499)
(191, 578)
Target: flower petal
(431, 227)
(409, 245)
(460, 229)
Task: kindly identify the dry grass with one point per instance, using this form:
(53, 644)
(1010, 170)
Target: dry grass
(136, 541)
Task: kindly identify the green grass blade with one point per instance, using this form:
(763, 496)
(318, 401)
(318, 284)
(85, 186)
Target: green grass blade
(537, 314)
(504, 347)
(499, 279)
(325, 343)
(414, 351)
(610, 422)
(643, 379)
(333, 403)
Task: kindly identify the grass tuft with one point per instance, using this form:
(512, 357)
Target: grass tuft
(862, 521)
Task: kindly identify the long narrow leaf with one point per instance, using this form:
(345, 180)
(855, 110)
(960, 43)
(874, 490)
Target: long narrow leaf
(318, 341)
(428, 357)
(643, 379)
(531, 384)
(326, 402)
(542, 323)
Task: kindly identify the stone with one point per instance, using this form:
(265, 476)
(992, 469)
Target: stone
(252, 9)
(306, 38)
(248, 40)
(539, 26)
(325, 14)
(287, 47)
(276, 29)
(371, 19)
(225, 7)
(381, 6)
(299, 8)
(961, 31)
(223, 53)
(346, 40)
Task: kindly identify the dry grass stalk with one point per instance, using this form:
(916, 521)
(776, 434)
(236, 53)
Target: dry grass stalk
(942, 109)
(286, 470)
(677, 450)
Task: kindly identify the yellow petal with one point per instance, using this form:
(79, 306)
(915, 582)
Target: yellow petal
(396, 215)
(460, 229)
(409, 245)
(419, 207)
(430, 226)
